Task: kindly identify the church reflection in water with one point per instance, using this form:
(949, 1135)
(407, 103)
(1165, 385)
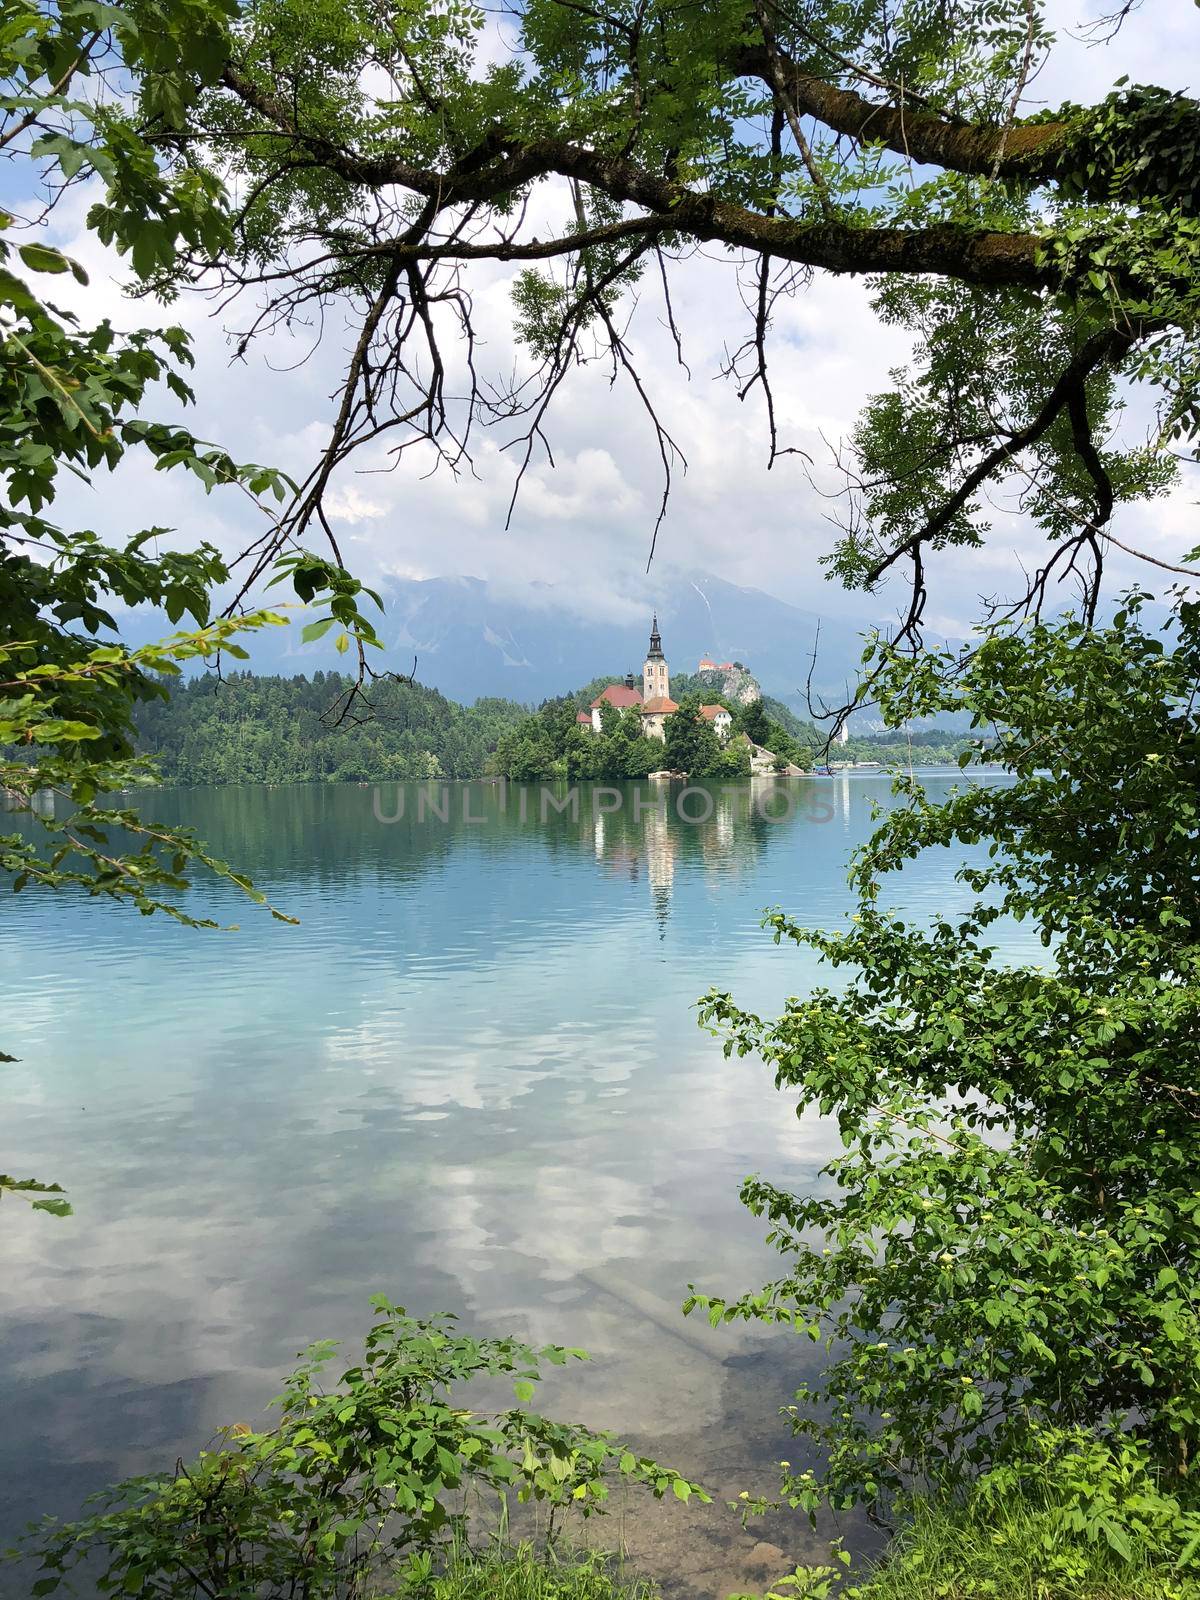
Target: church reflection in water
(649, 832)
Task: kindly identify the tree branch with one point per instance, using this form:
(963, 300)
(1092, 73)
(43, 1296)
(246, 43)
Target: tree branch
(1106, 345)
(499, 165)
(1026, 151)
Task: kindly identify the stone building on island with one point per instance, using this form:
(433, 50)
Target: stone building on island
(618, 695)
(720, 719)
(656, 679)
(653, 700)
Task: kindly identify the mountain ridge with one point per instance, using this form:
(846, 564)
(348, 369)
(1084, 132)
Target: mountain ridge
(470, 639)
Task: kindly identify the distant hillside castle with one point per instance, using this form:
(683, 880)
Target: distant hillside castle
(653, 700)
(730, 679)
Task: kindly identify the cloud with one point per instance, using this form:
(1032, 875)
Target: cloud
(347, 503)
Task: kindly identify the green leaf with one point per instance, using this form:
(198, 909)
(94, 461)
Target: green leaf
(43, 258)
(16, 293)
(56, 730)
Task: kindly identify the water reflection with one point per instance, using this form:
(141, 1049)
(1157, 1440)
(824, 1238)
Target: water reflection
(470, 1079)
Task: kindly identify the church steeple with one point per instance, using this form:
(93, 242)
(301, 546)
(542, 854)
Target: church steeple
(656, 680)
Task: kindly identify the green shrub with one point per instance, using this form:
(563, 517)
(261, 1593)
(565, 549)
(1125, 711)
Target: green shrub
(1009, 1239)
(1092, 1496)
(1075, 1519)
(350, 1481)
(1089, 1526)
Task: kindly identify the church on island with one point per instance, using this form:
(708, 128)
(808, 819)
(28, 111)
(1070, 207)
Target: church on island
(653, 700)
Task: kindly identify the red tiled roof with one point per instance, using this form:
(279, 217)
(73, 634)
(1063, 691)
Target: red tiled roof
(619, 695)
(585, 717)
(725, 666)
(713, 712)
(705, 664)
(662, 703)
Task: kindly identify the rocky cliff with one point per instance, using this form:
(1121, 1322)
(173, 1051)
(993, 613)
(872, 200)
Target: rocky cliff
(736, 684)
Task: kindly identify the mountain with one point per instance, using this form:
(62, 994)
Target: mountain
(469, 640)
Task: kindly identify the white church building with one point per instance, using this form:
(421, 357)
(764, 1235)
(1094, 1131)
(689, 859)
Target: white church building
(653, 700)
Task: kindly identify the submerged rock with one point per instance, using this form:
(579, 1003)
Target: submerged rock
(766, 1561)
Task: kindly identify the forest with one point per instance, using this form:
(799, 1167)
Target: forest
(245, 728)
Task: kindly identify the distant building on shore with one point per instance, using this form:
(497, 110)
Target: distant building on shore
(730, 679)
(653, 701)
(618, 695)
(720, 718)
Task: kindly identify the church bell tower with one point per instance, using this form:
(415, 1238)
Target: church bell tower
(656, 680)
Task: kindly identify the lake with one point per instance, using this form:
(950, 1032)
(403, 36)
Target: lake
(471, 1079)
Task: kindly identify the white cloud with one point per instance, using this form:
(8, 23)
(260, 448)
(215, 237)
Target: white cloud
(347, 503)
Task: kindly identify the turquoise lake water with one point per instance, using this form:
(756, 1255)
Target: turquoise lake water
(471, 1079)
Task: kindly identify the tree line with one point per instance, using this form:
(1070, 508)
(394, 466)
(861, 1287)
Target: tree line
(243, 728)
(247, 728)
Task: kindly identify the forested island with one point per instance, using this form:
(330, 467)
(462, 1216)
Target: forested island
(245, 728)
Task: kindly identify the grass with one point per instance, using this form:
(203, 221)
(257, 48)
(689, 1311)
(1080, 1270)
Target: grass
(1010, 1547)
(523, 1572)
(1012, 1551)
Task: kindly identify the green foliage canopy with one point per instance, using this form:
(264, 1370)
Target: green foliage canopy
(75, 400)
(1010, 1239)
(690, 745)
